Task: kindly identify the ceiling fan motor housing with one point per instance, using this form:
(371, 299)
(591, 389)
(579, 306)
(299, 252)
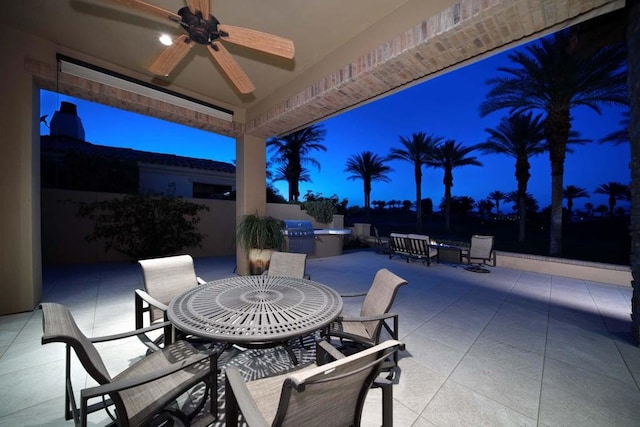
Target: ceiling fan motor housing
(200, 30)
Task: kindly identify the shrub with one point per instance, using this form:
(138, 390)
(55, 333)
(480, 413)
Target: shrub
(145, 225)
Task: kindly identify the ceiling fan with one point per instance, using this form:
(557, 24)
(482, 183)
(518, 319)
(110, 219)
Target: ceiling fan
(203, 28)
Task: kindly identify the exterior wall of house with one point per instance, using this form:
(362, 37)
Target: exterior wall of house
(158, 178)
(20, 264)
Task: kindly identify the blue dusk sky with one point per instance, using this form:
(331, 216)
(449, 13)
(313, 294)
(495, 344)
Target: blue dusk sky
(445, 106)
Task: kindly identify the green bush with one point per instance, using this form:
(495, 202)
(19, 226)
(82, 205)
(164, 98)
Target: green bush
(145, 225)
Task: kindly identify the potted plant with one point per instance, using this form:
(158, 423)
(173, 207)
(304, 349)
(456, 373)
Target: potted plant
(260, 236)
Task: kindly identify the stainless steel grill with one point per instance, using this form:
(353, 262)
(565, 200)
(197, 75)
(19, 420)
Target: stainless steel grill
(300, 236)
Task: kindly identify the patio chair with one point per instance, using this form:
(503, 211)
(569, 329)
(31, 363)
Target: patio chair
(142, 392)
(420, 248)
(398, 245)
(365, 330)
(382, 246)
(163, 279)
(287, 264)
(481, 251)
(330, 394)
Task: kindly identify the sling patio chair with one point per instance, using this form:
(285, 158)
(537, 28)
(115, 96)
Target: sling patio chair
(331, 394)
(163, 279)
(287, 264)
(481, 251)
(381, 244)
(146, 391)
(365, 330)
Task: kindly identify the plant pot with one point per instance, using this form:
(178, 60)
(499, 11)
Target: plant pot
(259, 260)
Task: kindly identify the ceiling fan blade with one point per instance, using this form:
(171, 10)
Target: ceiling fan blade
(258, 40)
(149, 8)
(231, 68)
(191, 4)
(171, 56)
(199, 5)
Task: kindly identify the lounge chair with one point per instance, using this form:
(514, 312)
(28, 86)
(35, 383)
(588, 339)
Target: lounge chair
(365, 330)
(481, 251)
(330, 394)
(163, 279)
(143, 391)
(287, 264)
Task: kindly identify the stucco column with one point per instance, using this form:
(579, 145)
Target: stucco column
(20, 259)
(251, 193)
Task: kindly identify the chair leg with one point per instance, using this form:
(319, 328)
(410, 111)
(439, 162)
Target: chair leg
(387, 405)
(230, 407)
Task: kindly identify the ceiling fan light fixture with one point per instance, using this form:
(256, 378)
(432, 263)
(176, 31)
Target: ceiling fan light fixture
(165, 39)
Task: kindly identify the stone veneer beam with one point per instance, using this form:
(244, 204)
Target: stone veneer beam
(461, 33)
(46, 77)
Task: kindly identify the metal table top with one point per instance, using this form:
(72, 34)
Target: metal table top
(255, 309)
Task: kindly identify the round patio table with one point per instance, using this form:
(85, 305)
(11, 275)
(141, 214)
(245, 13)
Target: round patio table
(255, 310)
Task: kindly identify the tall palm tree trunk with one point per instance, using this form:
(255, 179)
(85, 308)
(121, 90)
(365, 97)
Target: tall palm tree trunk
(522, 178)
(633, 81)
(418, 176)
(448, 183)
(556, 131)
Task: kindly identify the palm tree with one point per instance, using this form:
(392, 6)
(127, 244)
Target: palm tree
(530, 202)
(417, 150)
(520, 136)
(620, 136)
(447, 156)
(571, 192)
(292, 151)
(368, 167)
(553, 79)
(616, 191)
(484, 207)
(589, 207)
(497, 196)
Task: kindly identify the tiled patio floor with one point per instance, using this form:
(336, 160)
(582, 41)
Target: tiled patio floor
(500, 349)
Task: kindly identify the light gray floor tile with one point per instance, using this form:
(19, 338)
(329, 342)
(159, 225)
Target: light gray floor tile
(530, 341)
(561, 408)
(510, 388)
(495, 354)
(417, 384)
(600, 390)
(457, 405)
(432, 354)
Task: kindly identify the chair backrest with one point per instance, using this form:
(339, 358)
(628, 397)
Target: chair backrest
(287, 264)
(420, 245)
(58, 325)
(332, 394)
(379, 299)
(165, 278)
(481, 247)
(398, 242)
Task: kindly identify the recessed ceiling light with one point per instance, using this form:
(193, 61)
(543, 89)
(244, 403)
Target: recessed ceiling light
(166, 40)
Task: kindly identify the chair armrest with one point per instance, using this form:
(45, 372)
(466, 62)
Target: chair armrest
(325, 353)
(151, 300)
(235, 385)
(367, 318)
(129, 333)
(201, 281)
(353, 294)
(130, 382)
